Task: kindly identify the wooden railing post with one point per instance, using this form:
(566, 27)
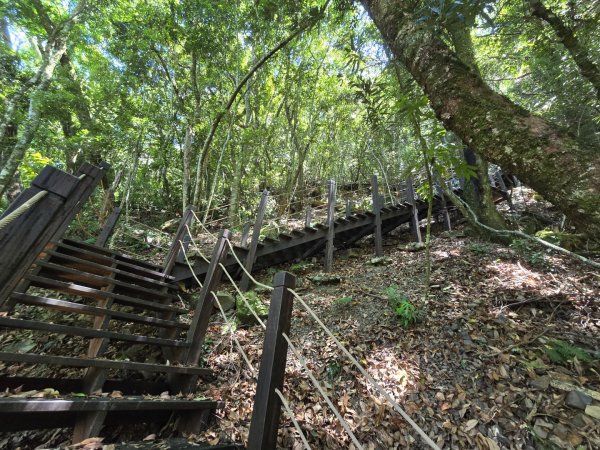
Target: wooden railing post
(175, 253)
(377, 211)
(22, 240)
(444, 211)
(108, 227)
(348, 208)
(414, 212)
(245, 233)
(267, 405)
(308, 218)
(330, 225)
(251, 256)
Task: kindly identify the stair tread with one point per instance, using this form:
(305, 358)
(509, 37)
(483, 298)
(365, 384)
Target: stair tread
(102, 363)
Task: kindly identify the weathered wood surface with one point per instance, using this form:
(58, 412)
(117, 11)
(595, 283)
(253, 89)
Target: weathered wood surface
(377, 205)
(330, 225)
(108, 227)
(251, 255)
(267, 405)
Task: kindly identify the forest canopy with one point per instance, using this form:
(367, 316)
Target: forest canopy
(207, 102)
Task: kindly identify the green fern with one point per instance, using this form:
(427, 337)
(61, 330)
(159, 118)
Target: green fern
(560, 352)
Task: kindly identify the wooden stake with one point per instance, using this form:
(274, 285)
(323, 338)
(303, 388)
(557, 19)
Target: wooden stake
(330, 225)
(267, 405)
(377, 202)
(414, 214)
(251, 256)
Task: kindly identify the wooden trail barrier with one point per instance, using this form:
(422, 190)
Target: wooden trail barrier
(414, 211)
(182, 236)
(330, 225)
(23, 239)
(250, 257)
(377, 205)
(267, 405)
(108, 227)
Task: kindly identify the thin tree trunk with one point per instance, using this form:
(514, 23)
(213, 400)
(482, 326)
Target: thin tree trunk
(204, 154)
(55, 49)
(581, 55)
(538, 152)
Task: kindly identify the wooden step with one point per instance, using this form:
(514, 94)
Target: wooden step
(285, 237)
(78, 308)
(97, 294)
(342, 221)
(70, 274)
(108, 260)
(116, 255)
(89, 266)
(310, 229)
(297, 233)
(271, 241)
(320, 226)
(11, 322)
(22, 414)
(65, 361)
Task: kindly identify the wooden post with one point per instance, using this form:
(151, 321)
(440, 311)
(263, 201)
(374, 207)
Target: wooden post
(414, 212)
(377, 211)
(108, 227)
(204, 305)
(349, 206)
(245, 232)
(330, 225)
(251, 256)
(308, 219)
(175, 251)
(26, 237)
(267, 405)
(444, 211)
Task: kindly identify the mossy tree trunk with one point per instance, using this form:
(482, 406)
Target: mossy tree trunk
(538, 152)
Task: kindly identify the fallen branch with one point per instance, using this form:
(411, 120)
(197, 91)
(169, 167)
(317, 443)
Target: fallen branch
(466, 211)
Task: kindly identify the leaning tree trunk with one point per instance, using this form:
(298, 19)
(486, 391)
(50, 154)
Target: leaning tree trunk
(539, 153)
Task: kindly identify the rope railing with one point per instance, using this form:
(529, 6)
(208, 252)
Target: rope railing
(10, 218)
(290, 414)
(345, 351)
(244, 355)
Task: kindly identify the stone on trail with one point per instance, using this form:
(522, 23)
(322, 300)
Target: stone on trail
(578, 400)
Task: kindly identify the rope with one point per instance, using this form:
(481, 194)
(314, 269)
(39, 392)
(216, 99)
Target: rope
(195, 245)
(22, 209)
(289, 412)
(316, 384)
(237, 343)
(270, 288)
(371, 380)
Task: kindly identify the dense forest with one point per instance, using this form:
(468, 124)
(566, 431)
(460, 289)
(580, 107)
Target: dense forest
(205, 104)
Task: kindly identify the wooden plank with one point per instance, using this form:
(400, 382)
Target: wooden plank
(414, 218)
(126, 387)
(267, 405)
(108, 227)
(181, 237)
(132, 266)
(249, 262)
(70, 274)
(330, 225)
(78, 308)
(101, 269)
(349, 205)
(202, 312)
(308, 217)
(26, 405)
(88, 292)
(245, 233)
(377, 212)
(31, 358)
(443, 209)
(10, 322)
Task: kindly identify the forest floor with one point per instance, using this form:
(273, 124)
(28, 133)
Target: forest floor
(504, 355)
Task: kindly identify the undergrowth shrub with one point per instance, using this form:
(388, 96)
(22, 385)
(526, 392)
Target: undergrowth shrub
(406, 313)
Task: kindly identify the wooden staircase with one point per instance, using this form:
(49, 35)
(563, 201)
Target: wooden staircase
(126, 302)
